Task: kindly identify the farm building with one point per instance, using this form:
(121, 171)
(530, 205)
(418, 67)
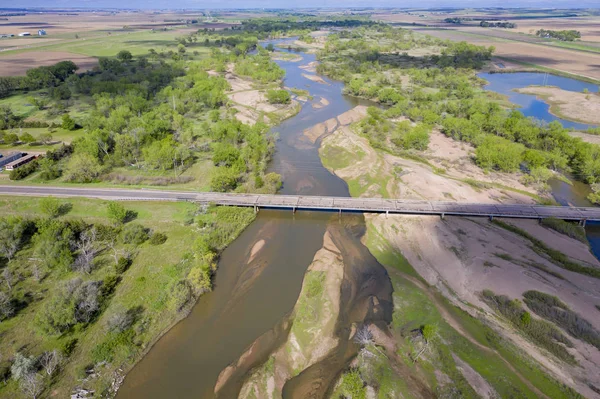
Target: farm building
(21, 161)
(41, 32)
(24, 34)
(8, 158)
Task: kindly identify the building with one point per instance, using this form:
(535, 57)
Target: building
(20, 162)
(24, 34)
(41, 32)
(8, 158)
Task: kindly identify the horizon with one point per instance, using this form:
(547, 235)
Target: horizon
(163, 5)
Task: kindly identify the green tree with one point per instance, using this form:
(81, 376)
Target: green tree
(67, 122)
(27, 138)
(12, 230)
(124, 56)
(278, 96)
(51, 207)
(82, 168)
(116, 212)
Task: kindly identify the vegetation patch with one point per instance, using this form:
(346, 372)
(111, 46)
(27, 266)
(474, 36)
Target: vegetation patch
(541, 332)
(553, 309)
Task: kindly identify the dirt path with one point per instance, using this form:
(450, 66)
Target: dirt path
(454, 323)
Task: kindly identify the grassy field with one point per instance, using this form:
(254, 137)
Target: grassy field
(146, 285)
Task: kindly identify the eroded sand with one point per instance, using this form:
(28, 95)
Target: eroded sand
(459, 256)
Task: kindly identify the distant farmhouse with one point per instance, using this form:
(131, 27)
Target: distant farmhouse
(24, 34)
(3, 35)
(41, 32)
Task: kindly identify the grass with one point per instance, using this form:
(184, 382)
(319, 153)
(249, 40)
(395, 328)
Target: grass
(551, 308)
(109, 44)
(568, 228)
(542, 333)
(147, 283)
(309, 307)
(557, 257)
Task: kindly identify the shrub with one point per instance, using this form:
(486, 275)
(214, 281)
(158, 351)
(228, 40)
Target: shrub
(158, 238)
(181, 295)
(116, 212)
(278, 96)
(23, 171)
(134, 233)
(69, 346)
(50, 206)
(122, 265)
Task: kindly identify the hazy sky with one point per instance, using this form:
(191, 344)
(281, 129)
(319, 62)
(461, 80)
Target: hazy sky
(201, 4)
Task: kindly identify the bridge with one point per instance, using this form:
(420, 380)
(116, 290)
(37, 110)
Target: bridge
(318, 203)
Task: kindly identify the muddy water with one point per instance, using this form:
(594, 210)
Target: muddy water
(253, 295)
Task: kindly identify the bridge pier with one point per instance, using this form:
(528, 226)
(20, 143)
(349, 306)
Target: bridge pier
(442, 216)
(491, 218)
(582, 222)
(255, 209)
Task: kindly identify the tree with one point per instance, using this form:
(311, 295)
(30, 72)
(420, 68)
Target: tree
(50, 206)
(49, 169)
(278, 96)
(11, 235)
(124, 56)
(27, 138)
(269, 47)
(50, 361)
(21, 366)
(87, 247)
(67, 122)
(45, 138)
(9, 278)
(32, 385)
(116, 212)
(7, 308)
(82, 168)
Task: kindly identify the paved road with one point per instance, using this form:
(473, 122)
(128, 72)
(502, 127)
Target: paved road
(337, 204)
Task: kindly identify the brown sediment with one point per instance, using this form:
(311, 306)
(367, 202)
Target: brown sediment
(357, 290)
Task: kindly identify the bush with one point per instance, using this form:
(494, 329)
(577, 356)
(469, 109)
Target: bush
(23, 171)
(69, 346)
(134, 234)
(278, 97)
(122, 265)
(158, 238)
(499, 153)
(181, 295)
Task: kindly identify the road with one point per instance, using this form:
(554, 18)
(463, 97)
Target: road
(335, 204)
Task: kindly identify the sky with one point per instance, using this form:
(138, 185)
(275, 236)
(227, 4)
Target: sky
(220, 4)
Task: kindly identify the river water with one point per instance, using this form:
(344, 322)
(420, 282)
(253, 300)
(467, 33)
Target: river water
(253, 299)
(530, 105)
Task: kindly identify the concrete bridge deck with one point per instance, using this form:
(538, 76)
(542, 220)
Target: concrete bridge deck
(306, 202)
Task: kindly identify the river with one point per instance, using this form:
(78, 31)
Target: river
(253, 299)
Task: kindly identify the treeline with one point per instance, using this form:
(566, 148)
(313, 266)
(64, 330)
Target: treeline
(563, 35)
(506, 25)
(270, 25)
(37, 78)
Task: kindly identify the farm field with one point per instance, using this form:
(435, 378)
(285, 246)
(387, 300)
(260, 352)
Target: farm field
(560, 59)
